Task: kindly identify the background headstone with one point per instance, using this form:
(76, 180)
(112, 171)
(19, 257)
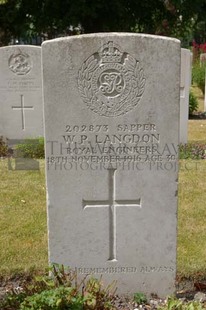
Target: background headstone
(202, 58)
(112, 124)
(185, 83)
(202, 62)
(21, 92)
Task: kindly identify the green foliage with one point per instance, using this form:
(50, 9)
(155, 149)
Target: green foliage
(140, 298)
(198, 75)
(60, 291)
(3, 148)
(48, 18)
(199, 31)
(176, 304)
(192, 151)
(193, 103)
(96, 297)
(31, 148)
(54, 299)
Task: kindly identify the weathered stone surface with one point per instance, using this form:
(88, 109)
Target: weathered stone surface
(185, 83)
(21, 92)
(112, 123)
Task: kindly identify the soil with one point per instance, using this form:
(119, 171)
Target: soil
(198, 115)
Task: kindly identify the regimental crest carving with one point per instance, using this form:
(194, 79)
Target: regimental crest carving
(20, 63)
(111, 82)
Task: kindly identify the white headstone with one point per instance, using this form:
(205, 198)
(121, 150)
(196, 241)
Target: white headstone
(202, 58)
(185, 83)
(111, 119)
(21, 92)
(202, 62)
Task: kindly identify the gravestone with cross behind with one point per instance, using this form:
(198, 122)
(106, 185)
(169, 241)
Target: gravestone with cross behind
(21, 92)
(112, 124)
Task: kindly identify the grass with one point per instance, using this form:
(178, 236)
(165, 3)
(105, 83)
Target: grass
(197, 130)
(191, 250)
(23, 233)
(197, 127)
(191, 219)
(23, 229)
(200, 97)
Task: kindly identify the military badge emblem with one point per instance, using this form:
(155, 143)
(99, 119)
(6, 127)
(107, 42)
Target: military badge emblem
(111, 82)
(20, 63)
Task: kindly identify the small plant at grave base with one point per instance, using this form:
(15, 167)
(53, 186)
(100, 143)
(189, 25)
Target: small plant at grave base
(176, 304)
(54, 299)
(192, 151)
(96, 297)
(140, 298)
(193, 103)
(58, 292)
(4, 150)
(31, 148)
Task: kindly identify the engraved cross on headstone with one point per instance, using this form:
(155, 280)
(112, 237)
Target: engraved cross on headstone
(112, 203)
(22, 107)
